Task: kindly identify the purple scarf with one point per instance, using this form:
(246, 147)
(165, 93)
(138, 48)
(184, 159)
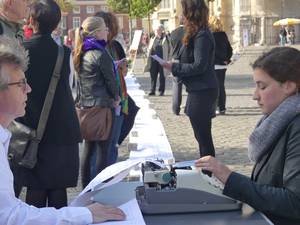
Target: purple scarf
(90, 43)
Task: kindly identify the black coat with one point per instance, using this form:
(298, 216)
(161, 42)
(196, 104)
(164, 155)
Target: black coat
(196, 63)
(58, 156)
(176, 41)
(274, 187)
(62, 126)
(223, 48)
(97, 81)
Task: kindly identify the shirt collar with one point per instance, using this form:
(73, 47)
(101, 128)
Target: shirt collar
(16, 27)
(5, 135)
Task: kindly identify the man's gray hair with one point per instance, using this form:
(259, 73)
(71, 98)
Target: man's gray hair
(12, 53)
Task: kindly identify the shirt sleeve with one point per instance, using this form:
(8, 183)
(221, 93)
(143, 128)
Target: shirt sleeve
(15, 212)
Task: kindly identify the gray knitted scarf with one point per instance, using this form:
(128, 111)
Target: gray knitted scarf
(269, 127)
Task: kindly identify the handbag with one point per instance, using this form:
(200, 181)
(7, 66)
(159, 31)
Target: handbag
(24, 143)
(95, 122)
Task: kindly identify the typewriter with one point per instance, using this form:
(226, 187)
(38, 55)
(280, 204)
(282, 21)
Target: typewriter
(180, 188)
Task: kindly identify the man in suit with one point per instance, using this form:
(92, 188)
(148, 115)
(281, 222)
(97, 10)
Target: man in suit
(159, 45)
(176, 43)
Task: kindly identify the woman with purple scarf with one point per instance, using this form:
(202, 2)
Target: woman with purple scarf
(97, 86)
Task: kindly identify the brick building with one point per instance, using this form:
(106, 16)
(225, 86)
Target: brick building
(85, 8)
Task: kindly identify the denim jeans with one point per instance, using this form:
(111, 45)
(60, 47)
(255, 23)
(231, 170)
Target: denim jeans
(112, 155)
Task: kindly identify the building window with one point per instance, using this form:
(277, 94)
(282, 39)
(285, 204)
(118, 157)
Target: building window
(63, 22)
(134, 25)
(76, 9)
(76, 22)
(245, 5)
(120, 20)
(90, 9)
(104, 8)
(165, 4)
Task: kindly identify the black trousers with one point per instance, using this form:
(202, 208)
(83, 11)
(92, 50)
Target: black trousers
(176, 95)
(222, 94)
(154, 70)
(200, 108)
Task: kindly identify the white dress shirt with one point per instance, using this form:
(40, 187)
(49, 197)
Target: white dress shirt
(15, 212)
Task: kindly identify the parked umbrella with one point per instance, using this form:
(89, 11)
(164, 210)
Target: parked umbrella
(286, 22)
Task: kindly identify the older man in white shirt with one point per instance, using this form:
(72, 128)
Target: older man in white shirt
(13, 96)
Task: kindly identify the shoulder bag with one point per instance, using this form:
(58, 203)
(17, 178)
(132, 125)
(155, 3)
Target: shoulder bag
(23, 148)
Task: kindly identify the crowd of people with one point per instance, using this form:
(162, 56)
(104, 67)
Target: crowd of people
(196, 54)
(287, 35)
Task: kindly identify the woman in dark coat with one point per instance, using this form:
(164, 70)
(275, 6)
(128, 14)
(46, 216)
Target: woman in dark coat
(58, 157)
(273, 145)
(223, 54)
(196, 70)
(97, 84)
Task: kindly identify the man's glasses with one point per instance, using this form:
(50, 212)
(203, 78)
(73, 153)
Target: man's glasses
(22, 84)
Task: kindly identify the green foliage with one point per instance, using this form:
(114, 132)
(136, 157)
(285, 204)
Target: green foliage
(135, 8)
(119, 6)
(142, 8)
(65, 5)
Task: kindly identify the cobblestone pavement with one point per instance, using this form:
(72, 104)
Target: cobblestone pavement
(230, 132)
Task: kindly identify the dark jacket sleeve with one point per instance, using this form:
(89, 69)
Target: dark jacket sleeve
(203, 49)
(106, 67)
(281, 201)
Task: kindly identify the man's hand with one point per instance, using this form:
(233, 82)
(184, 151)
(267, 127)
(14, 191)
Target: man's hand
(210, 163)
(103, 213)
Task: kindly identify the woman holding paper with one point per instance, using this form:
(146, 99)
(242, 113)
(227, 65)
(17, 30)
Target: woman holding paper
(196, 70)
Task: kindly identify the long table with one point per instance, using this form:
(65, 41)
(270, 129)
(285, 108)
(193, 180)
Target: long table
(124, 191)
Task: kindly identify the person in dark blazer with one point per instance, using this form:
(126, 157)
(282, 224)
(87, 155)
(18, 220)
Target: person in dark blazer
(223, 54)
(273, 145)
(196, 70)
(176, 43)
(58, 156)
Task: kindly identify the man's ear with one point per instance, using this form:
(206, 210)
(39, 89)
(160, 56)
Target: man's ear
(290, 88)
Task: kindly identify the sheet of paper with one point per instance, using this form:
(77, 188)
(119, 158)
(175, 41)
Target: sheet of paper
(110, 172)
(184, 164)
(118, 62)
(158, 59)
(133, 215)
(116, 171)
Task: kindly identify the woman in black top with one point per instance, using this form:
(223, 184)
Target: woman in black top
(58, 156)
(223, 54)
(196, 70)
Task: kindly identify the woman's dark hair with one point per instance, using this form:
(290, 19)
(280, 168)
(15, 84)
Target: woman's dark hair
(46, 13)
(281, 63)
(195, 14)
(111, 22)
